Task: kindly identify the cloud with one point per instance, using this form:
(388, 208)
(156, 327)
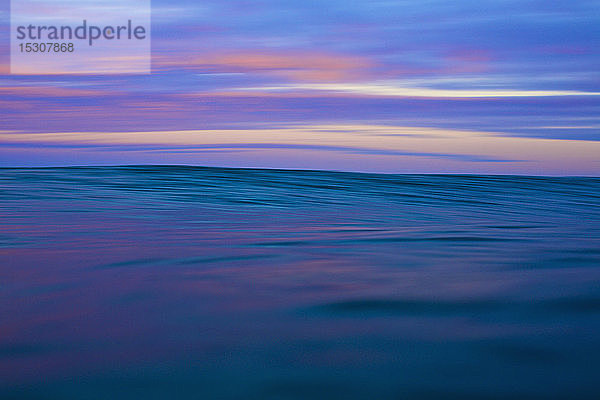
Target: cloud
(291, 65)
(48, 91)
(393, 89)
(468, 61)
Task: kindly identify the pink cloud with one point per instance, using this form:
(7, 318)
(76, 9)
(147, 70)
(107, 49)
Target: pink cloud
(468, 61)
(295, 66)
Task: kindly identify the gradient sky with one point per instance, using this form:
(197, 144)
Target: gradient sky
(381, 86)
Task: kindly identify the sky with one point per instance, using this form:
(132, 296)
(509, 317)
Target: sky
(429, 86)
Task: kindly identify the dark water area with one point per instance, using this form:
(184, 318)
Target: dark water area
(184, 282)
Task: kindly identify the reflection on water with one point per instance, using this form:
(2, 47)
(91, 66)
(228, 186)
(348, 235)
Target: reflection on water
(181, 282)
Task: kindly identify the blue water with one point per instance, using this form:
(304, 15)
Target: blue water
(184, 282)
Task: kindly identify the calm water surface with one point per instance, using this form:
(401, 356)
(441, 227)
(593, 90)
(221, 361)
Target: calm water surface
(183, 282)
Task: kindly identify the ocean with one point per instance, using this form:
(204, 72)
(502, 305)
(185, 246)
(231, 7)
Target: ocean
(154, 282)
